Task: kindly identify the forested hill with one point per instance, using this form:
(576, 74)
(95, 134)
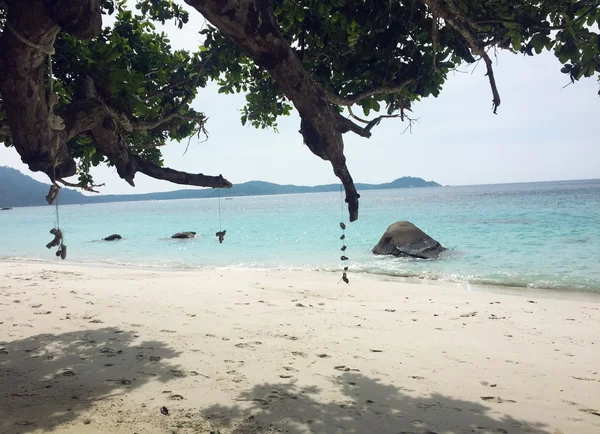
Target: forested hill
(17, 189)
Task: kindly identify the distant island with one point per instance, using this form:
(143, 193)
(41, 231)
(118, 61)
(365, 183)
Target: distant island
(17, 189)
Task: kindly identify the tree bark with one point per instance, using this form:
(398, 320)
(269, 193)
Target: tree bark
(22, 84)
(252, 26)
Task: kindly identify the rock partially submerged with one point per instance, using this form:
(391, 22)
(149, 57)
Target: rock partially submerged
(112, 237)
(184, 235)
(6, 208)
(403, 239)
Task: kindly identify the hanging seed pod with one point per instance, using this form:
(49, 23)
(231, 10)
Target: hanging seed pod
(52, 194)
(344, 258)
(221, 236)
(343, 226)
(58, 252)
(343, 237)
(63, 252)
(345, 268)
(343, 249)
(345, 278)
(57, 238)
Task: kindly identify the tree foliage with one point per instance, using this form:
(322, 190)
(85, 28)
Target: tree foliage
(123, 92)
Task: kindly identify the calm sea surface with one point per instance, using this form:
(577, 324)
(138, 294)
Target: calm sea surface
(542, 235)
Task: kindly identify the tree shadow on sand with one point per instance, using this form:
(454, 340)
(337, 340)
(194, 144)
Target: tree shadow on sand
(364, 405)
(47, 380)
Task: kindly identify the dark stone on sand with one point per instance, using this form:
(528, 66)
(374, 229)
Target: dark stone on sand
(403, 239)
(113, 237)
(184, 235)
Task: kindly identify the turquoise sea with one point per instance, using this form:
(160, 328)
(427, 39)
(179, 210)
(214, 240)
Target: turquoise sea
(537, 235)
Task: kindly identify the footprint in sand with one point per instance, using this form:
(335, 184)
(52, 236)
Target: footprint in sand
(497, 399)
(109, 352)
(500, 430)
(344, 368)
(590, 411)
(585, 379)
(243, 345)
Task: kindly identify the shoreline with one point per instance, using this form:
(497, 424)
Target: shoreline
(98, 349)
(551, 292)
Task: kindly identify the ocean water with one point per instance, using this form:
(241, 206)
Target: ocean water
(537, 235)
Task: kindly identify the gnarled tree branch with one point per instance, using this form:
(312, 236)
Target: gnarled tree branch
(93, 115)
(85, 187)
(252, 26)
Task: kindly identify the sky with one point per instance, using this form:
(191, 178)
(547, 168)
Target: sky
(543, 131)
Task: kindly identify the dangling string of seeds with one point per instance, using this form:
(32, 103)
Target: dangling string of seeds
(221, 234)
(343, 238)
(58, 236)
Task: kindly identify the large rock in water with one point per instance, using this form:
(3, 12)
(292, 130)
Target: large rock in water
(183, 235)
(406, 240)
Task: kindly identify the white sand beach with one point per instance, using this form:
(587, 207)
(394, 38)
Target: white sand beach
(101, 350)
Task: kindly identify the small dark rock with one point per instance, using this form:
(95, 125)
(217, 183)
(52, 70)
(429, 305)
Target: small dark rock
(112, 237)
(164, 410)
(184, 235)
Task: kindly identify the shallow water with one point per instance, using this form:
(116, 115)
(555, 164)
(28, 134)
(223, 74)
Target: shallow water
(542, 235)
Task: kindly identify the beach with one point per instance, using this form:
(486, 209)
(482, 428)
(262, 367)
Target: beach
(90, 349)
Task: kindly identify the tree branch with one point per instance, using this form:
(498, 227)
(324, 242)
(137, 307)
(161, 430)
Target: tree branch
(352, 115)
(357, 97)
(177, 177)
(345, 125)
(173, 114)
(252, 26)
(507, 21)
(92, 115)
(85, 187)
(168, 88)
(452, 15)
